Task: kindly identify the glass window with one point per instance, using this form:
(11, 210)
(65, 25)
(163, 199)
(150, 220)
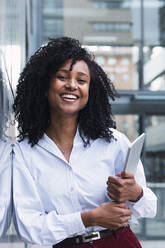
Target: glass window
(155, 148)
(49, 4)
(111, 4)
(125, 61)
(100, 60)
(115, 27)
(53, 27)
(154, 68)
(154, 42)
(112, 61)
(112, 77)
(125, 77)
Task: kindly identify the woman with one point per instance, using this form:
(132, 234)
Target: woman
(68, 148)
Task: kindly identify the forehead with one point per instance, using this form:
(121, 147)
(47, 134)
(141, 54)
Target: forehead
(79, 66)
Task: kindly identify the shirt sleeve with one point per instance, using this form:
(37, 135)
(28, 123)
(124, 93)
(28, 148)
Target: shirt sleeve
(146, 207)
(5, 188)
(32, 222)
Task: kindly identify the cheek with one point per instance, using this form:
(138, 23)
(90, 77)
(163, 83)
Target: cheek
(86, 91)
(52, 97)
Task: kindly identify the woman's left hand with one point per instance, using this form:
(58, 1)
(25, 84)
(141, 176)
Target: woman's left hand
(123, 188)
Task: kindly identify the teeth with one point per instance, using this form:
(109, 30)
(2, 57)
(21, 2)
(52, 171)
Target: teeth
(69, 96)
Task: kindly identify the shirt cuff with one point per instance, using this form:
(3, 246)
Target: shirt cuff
(146, 206)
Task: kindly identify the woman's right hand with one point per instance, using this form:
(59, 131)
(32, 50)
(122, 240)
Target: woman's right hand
(110, 215)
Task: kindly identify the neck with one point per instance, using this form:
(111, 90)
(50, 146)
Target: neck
(62, 129)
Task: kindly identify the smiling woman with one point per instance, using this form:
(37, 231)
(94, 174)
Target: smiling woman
(68, 147)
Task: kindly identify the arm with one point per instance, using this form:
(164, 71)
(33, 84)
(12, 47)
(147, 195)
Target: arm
(110, 215)
(141, 200)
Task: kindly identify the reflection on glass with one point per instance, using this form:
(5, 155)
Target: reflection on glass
(12, 57)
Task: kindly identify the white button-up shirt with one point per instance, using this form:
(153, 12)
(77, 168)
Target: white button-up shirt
(50, 193)
(5, 186)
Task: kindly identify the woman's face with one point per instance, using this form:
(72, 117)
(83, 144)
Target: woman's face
(69, 90)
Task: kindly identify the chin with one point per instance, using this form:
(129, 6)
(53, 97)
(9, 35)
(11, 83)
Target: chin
(70, 112)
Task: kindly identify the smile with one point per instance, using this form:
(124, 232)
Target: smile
(69, 96)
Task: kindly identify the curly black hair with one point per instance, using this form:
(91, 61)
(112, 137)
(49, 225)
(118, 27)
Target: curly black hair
(31, 106)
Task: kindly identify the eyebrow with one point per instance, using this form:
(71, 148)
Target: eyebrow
(81, 73)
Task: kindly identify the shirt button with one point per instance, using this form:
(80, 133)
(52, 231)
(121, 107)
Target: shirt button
(72, 189)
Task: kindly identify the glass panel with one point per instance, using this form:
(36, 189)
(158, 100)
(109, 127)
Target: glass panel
(12, 57)
(154, 19)
(155, 148)
(155, 170)
(154, 68)
(154, 42)
(111, 4)
(52, 19)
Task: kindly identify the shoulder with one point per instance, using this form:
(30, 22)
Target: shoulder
(118, 144)
(22, 148)
(5, 147)
(120, 137)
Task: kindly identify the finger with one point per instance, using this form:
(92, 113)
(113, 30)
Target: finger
(121, 223)
(124, 220)
(113, 188)
(118, 200)
(126, 174)
(114, 180)
(115, 192)
(127, 212)
(122, 205)
(112, 196)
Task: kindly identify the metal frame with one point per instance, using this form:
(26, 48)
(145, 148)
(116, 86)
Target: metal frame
(139, 102)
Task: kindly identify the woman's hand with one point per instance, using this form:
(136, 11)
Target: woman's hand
(109, 215)
(124, 188)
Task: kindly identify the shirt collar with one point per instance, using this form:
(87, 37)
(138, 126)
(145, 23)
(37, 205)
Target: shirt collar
(48, 144)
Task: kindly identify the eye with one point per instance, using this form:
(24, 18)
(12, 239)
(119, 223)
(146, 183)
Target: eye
(62, 78)
(81, 81)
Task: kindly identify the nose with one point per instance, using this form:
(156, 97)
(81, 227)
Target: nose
(71, 84)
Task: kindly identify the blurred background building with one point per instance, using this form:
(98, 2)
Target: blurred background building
(127, 38)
